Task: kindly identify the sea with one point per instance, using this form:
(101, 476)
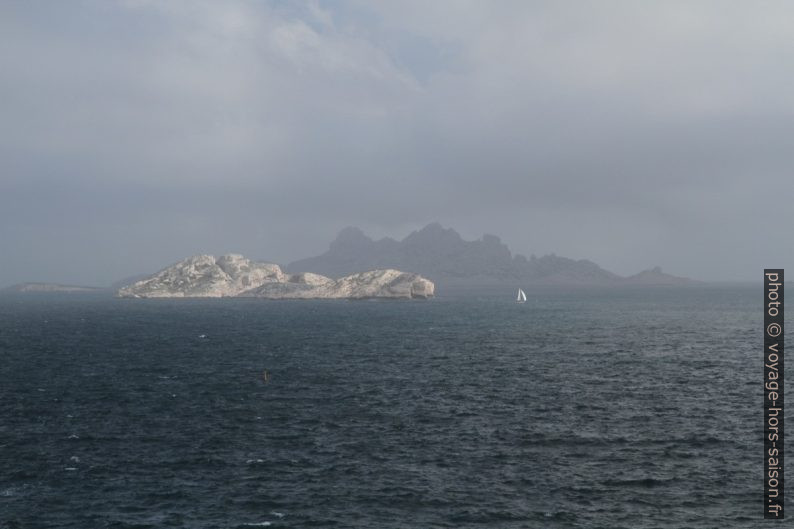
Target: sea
(595, 408)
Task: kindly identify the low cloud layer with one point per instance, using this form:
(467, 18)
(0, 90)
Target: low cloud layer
(135, 133)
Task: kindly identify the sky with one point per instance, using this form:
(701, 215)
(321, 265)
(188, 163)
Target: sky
(635, 134)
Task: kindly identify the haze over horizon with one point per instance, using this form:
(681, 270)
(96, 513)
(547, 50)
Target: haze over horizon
(634, 135)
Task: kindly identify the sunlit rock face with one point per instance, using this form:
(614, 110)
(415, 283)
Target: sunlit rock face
(205, 276)
(234, 275)
(372, 284)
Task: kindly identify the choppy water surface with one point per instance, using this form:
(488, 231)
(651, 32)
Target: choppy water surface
(588, 408)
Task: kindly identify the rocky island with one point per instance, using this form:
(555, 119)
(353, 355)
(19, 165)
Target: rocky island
(233, 275)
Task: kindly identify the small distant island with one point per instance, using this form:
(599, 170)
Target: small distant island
(205, 276)
(50, 288)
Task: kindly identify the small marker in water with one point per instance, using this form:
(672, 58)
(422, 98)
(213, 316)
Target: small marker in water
(265, 376)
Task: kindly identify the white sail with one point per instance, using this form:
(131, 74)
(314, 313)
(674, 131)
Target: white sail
(521, 296)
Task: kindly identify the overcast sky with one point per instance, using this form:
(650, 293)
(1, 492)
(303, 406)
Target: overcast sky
(634, 134)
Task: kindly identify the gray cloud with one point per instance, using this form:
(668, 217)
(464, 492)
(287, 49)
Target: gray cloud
(135, 133)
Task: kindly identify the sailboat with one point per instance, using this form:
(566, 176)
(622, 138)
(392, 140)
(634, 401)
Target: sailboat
(522, 298)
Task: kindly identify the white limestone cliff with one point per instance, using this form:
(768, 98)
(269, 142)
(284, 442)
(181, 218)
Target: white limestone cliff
(373, 284)
(205, 276)
(234, 275)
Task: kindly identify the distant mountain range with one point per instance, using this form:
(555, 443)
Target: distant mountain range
(443, 256)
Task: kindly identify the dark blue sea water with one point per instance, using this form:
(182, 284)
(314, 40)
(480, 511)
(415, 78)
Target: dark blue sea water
(630, 408)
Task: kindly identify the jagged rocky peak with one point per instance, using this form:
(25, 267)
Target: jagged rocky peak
(433, 233)
(441, 254)
(234, 275)
(350, 237)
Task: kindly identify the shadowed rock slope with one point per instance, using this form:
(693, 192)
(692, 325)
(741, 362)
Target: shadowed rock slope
(442, 255)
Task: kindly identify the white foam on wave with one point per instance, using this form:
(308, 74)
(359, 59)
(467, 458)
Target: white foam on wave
(277, 514)
(259, 524)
